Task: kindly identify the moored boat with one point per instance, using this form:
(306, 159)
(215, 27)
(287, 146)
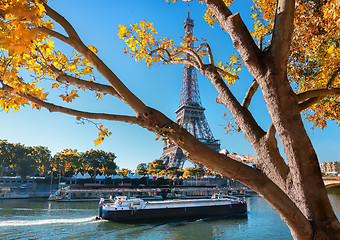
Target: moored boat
(13, 194)
(123, 209)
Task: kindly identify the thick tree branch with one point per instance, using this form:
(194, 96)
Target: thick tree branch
(282, 32)
(242, 158)
(250, 93)
(308, 103)
(238, 157)
(320, 93)
(242, 40)
(55, 108)
(243, 118)
(127, 96)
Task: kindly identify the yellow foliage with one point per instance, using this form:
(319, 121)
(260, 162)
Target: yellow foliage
(93, 49)
(101, 135)
(24, 46)
(70, 96)
(315, 52)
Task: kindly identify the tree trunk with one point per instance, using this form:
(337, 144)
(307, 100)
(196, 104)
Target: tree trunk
(308, 191)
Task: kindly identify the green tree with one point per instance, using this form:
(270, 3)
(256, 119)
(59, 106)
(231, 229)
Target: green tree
(99, 162)
(142, 169)
(6, 155)
(174, 171)
(294, 187)
(156, 167)
(42, 157)
(193, 172)
(24, 161)
(68, 161)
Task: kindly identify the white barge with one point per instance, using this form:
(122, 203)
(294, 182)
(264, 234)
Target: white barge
(122, 209)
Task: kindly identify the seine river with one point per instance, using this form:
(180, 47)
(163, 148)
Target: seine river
(40, 219)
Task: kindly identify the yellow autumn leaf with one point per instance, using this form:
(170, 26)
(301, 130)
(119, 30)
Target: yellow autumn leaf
(330, 50)
(93, 49)
(97, 141)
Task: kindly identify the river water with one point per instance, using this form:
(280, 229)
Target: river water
(40, 219)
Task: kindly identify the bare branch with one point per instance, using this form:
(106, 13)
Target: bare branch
(161, 50)
(191, 52)
(54, 34)
(55, 108)
(210, 56)
(172, 59)
(255, 179)
(250, 93)
(106, 89)
(62, 21)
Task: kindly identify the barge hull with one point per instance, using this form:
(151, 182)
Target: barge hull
(170, 213)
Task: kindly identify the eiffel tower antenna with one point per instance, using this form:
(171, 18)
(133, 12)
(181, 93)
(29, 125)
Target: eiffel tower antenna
(188, 11)
(190, 113)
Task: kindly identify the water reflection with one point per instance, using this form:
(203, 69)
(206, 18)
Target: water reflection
(334, 197)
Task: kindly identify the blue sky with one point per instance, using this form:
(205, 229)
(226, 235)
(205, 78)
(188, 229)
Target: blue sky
(158, 86)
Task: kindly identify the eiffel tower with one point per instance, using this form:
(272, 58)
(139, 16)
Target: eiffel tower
(190, 113)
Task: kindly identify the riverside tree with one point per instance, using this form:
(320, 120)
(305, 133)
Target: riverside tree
(294, 186)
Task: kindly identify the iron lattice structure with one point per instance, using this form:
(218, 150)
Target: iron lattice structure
(190, 113)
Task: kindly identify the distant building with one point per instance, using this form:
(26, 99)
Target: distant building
(330, 167)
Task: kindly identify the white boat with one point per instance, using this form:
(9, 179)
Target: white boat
(123, 209)
(81, 195)
(14, 195)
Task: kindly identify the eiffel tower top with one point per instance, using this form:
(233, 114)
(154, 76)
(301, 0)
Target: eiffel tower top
(189, 92)
(188, 25)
